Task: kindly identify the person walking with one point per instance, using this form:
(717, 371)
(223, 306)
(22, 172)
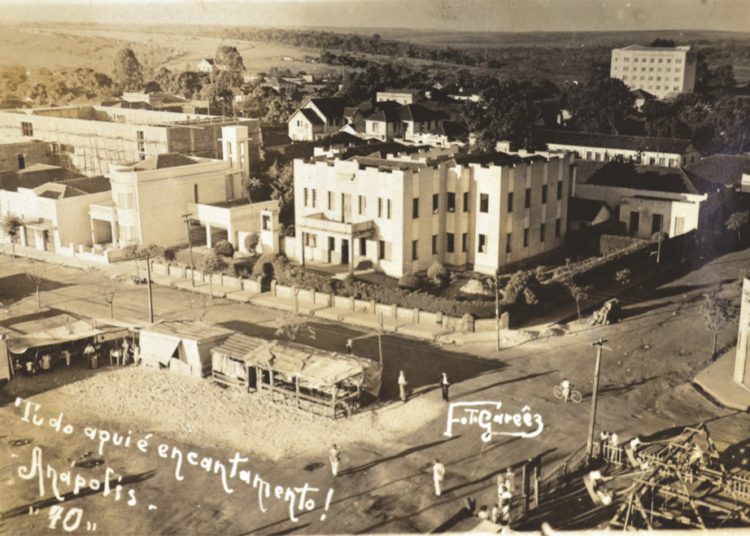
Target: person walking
(438, 476)
(334, 456)
(402, 385)
(444, 385)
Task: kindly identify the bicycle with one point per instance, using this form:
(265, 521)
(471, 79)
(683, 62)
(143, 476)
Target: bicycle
(574, 396)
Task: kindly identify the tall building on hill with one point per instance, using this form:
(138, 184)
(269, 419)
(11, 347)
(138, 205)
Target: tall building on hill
(662, 71)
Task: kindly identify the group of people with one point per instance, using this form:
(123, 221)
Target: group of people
(403, 390)
(500, 511)
(41, 362)
(609, 443)
(120, 355)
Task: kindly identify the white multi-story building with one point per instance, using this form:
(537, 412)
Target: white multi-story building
(404, 212)
(662, 71)
(153, 199)
(89, 139)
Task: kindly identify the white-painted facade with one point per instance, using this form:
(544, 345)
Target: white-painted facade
(403, 215)
(662, 71)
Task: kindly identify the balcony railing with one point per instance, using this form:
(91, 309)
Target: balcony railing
(319, 222)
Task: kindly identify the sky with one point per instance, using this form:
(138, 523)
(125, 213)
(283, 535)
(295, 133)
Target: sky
(462, 15)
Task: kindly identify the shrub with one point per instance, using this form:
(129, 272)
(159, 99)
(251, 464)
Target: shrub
(623, 276)
(438, 274)
(251, 242)
(410, 282)
(224, 248)
(264, 266)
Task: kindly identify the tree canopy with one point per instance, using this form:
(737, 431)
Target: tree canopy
(127, 70)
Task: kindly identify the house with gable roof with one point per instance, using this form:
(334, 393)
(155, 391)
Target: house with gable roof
(317, 118)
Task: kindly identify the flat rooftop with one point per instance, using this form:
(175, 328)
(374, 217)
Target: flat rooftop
(130, 116)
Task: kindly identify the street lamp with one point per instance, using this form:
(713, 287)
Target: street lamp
(186, 219)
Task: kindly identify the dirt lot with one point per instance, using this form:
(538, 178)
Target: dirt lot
(385, 485)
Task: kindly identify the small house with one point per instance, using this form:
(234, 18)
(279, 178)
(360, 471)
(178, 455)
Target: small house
(181, 346)
(326, 383)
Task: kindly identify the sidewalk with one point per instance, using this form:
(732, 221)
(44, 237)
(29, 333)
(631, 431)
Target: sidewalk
(716, 380)
(265, 300)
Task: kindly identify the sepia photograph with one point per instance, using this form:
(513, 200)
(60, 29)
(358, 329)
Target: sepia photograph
(344, 267)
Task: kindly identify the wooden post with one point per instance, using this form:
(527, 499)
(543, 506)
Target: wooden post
(296, 388)
(595, 393)
(525, 488)
(497, 313)
(150, 292)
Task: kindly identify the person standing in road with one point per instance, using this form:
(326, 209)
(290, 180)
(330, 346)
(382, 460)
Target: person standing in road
(444, 385)
(334, 456)
(402, 385)
(438, 476)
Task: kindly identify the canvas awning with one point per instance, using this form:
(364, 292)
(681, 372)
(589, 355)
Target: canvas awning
(158, 347)
(74, 331)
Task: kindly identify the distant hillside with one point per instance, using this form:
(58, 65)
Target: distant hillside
(557, 56)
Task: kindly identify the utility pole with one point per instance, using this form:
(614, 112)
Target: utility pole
(186, 219)
(150, 295)
(595, 393)
(497, 313)
(380, 339)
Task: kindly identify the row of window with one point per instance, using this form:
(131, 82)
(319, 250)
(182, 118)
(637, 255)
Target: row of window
(310, 199)
(657, 78)
(651, 161)
(657, 223)
(649, 60)
(650, 69)
(482, 240)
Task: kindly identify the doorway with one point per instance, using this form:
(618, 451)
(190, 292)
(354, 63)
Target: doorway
(344, 251)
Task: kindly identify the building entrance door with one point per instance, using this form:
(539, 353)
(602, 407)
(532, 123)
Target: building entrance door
(344, 251)
(331, 248)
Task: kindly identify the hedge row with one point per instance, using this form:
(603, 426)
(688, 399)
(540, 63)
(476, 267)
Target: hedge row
(288, 274)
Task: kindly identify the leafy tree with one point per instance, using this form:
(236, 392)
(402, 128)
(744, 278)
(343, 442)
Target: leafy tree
(518, 285)
(228, 60)
(280, 109)
(659, 42)
(224, 248)
(715, 82)
(34, 275)
(189, 84)
(152, 87)
(128, 72)
(251, 242)
(717, 312)
(509, 111)
(601, 105)
(280, 177)
(736, 221)
(213, 264)
(12, 227)
(137, 252)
